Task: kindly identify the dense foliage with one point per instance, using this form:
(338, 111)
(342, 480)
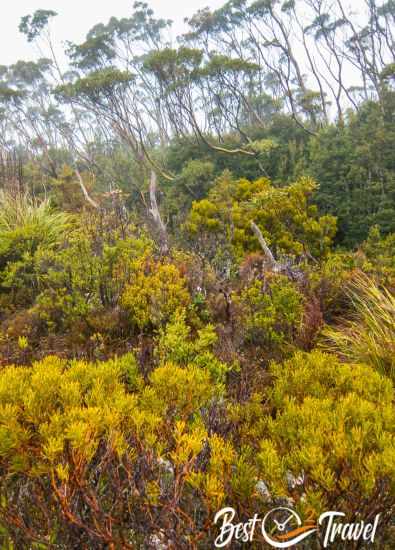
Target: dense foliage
(197, 277)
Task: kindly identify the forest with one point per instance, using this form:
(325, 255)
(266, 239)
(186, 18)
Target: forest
(197, 276)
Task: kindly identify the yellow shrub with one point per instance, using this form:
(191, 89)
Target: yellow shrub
(334, 428)
(157, 290)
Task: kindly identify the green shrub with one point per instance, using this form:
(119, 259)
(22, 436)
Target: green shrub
(27, 227)
(177, 346)
(272, 312)
(289, 222)
(378, 257)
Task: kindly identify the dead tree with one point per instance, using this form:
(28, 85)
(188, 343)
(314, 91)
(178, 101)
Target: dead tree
(154, 211)
(272, 264)
(84, 190)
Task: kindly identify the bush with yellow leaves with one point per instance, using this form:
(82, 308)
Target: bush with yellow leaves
(331, 427)
(94, 455)
(290, 224)
(91, 455)
(156, 291)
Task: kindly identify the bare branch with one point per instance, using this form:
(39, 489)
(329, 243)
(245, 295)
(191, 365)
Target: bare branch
(154, 210)
(84, 190)
(264, 246)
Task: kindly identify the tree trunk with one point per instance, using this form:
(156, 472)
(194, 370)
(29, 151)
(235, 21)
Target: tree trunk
(154, 210)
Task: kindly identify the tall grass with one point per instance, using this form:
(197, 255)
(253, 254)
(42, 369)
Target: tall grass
(21, 212)
(369, 336)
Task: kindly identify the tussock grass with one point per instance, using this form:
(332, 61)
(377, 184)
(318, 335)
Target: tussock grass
(22, 212)
(369, 336)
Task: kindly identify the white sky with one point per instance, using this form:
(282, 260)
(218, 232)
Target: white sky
(76, 17)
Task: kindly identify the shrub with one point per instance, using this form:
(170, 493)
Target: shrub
(155, 292)
(71, 293)
(378, 257)
(92, 456)
(177, 346)
(329, 280)
(289, 222)
(273, 312)
(332, 426)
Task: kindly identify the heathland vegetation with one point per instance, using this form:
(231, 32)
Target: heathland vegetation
(197, 275)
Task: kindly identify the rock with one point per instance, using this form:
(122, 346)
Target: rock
(262, 490)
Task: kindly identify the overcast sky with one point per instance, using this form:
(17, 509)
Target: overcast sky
(75, 18)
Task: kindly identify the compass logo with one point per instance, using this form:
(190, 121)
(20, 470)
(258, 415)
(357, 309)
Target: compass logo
(282, 528)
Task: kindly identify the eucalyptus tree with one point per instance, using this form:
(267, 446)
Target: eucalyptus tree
(263, 33)
(311, 53)
(29, 113)
(73, 131)
(147, 92)
(230, 70)
(218, 87)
